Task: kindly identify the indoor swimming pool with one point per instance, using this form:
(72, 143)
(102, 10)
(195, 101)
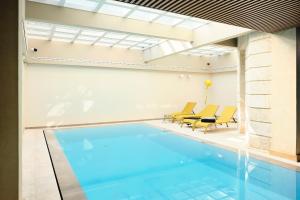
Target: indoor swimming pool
(139, 162)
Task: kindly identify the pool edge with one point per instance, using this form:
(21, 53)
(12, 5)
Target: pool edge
(67, 183)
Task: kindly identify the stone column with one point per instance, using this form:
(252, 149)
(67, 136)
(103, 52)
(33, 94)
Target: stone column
(258, 90)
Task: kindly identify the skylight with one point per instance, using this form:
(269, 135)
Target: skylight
(168, 20)
(142, 15)
(130, 11)
(209, 50)
(136, 38)
(92, 33)
(81, 4)
(65, 29)
(192, 23)
(114, 10)
(62, 33)
(117, 36)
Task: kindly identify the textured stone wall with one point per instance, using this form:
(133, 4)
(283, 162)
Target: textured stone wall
(258, 77)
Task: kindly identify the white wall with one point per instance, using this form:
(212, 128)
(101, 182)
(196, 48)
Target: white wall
(75, 95)
(223, 92)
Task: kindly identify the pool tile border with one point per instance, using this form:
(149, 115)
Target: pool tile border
(67, 182)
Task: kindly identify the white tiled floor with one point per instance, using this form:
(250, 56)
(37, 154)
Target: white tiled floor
(223, 136)
(39, 180)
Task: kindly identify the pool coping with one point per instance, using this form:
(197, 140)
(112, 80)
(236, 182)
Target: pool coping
(67, 183)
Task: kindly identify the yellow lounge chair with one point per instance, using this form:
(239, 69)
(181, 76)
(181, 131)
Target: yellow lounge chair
(187, 110)
(227, 116)
(208, 111)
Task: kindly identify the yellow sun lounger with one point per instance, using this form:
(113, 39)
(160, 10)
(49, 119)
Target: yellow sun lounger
(187, 110)
(208, 111)
(227, 116)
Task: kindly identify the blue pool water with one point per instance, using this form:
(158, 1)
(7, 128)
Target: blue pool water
(139, 162)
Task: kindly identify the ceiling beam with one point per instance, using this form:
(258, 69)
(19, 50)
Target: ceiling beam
(212, 33)
(73, 17)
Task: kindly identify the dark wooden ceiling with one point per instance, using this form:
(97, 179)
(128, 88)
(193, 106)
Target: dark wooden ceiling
(262, 15)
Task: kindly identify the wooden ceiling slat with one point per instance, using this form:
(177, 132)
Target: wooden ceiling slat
(189, 4)
(168, 3)
(157, 3)
(276, 13)
(262, 15)
(251, 14)
(178, 6)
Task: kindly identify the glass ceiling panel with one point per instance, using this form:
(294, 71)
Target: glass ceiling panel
(190, 24)
(63, 35)
(114, 10)
(143, 45)
(125, 42)
(121, 9)
(83, 41)
(103, 44)
(39, 37)
(110, 41)
(38, 25)
(117, 36)
(67, 29)
(61, 39)
(154, 41)
(142, 15)
(92, 33)
(168, 20)
(38, 32)
(117, 3)
(121, 46)
(209, 50)
(136, 38)
(81, 4)
(87, 38)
